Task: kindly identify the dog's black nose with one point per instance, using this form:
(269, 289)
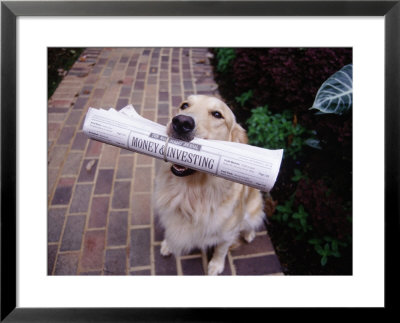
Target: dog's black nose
(183, 124)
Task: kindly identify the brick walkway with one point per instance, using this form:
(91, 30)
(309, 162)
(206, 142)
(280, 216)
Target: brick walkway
(100, 219)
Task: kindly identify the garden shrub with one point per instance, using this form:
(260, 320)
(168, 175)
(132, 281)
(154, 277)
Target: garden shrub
(225, 57)
(317, 215)
(271, 92)
(283, 78)
(244, 98)
(276, 131)
(295, 217)
(317, 209)
(328, 212)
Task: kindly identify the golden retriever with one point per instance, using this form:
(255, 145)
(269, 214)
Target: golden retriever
(199, 210)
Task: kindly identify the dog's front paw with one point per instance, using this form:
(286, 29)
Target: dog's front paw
(165, 249)
(249, 235)
(215, 267)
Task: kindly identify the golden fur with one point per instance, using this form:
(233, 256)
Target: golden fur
(201, 210)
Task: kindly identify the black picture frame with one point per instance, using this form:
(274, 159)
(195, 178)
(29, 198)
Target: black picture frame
(10, 10)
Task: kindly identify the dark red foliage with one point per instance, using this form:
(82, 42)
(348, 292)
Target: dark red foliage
(328, 214)
(283, 78)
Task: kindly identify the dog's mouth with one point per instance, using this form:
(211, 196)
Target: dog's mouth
(181, 171)
(182, 128)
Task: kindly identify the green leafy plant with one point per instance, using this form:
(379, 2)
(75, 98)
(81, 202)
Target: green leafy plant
(327, 247)
(225, 57)
(305, 218)
(295, 218)
(301, 224)
(244, 97)
(275, 131)
(298, 175)
(283, 212)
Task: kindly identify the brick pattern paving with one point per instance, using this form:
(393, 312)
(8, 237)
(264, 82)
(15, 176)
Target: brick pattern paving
(100, 219)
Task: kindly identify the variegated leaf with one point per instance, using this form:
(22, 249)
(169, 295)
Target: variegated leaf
(336, 94)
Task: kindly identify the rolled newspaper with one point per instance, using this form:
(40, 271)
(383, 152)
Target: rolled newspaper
(241, 163)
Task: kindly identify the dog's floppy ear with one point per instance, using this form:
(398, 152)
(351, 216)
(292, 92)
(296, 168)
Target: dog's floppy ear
(238, 134)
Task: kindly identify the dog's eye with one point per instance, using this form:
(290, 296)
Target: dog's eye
(217, 115)
(184, 106)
